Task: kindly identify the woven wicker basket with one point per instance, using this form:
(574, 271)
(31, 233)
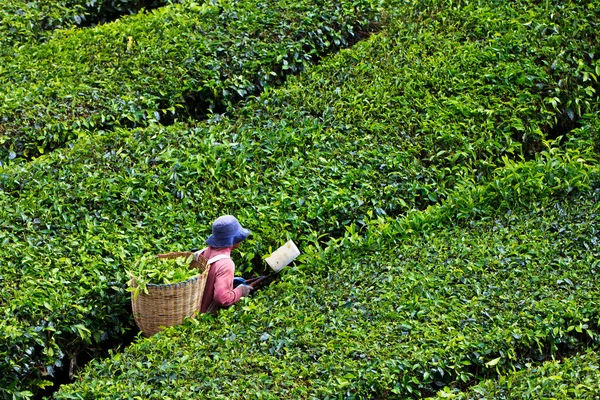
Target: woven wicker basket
(168, 305)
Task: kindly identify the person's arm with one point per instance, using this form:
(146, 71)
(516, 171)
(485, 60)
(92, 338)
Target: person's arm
(224, 293)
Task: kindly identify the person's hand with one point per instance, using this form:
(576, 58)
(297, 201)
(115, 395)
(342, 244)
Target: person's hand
(246, 289)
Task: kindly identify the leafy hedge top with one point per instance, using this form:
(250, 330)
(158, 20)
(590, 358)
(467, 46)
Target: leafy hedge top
(379, 317)
(575, 377)
(174, 62)
(23, 21)
(537, 35)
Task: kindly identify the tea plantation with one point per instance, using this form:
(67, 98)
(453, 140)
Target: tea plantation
(440, 177)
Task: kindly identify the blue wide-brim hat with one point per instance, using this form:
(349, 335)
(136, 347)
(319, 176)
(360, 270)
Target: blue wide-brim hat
(226, 231)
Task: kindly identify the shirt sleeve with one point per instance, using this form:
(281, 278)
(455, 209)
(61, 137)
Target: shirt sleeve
(224, 293)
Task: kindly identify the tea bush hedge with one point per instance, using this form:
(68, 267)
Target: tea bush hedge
(375, 131)
(167, 64)
(24, 21)
(385, 317)
(575, 377)
(502, 38)
(561, 72)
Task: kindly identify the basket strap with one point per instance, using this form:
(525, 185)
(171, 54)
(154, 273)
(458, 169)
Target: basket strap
(175, 254)
(199, 253)
(217, 258)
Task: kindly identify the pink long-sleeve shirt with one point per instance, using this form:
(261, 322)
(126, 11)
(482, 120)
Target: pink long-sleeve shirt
(219, 284)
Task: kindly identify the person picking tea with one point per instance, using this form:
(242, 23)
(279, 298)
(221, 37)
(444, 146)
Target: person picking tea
(227, 234)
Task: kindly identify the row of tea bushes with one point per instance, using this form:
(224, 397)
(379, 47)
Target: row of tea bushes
(490, 39)
(23, 21)
(28, 21)
(171, 63)
(460, 88)
(534, 184)
(575, 377)
(385, 315)
(290, 160)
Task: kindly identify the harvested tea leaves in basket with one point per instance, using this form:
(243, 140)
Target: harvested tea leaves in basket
(160, 271)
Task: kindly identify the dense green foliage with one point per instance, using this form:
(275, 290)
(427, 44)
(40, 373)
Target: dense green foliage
(377, 315)
(23, 21)
(576, 377)
(442, 107)
(171, 63)
(31, 21)
(549, 49)
(150, 269)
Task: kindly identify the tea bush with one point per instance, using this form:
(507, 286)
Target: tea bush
(560, 72)
(572, 378)
(383, 317)
(533, 184)
(24, 21)
(167, 64)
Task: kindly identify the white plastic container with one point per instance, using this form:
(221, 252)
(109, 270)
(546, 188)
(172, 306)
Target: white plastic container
(283, 256)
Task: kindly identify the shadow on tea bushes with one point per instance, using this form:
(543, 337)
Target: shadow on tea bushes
(535, 184)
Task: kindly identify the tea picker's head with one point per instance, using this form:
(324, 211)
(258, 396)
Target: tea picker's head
(227, 232)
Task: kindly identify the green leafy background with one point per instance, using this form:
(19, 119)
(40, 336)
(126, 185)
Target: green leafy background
(440, 178)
